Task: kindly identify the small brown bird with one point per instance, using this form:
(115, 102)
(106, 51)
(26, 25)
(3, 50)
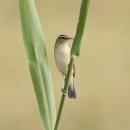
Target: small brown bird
(62, 58)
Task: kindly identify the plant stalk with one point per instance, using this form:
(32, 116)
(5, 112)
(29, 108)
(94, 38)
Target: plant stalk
(70, 66)
(74, 52)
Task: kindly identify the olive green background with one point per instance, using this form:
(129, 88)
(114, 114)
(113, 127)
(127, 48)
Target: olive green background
(102, 70)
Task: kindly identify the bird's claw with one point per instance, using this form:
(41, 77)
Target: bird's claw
(63, 91)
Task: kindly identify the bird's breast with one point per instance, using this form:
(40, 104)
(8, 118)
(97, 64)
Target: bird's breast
(62, 57)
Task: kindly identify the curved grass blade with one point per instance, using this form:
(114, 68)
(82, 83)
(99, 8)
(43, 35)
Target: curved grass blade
(38, 62)
(80, 27)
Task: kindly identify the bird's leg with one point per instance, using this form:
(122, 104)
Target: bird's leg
(62, 88)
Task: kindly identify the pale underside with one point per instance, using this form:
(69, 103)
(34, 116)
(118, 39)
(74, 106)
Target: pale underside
(62, 57)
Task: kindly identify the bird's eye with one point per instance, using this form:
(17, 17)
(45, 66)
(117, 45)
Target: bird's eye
(63, 37)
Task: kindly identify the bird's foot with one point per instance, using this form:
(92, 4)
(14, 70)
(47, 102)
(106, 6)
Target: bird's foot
(63, 91)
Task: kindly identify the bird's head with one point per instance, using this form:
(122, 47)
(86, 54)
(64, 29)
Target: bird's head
(63, 39)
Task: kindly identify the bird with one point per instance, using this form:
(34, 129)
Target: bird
(62, 53)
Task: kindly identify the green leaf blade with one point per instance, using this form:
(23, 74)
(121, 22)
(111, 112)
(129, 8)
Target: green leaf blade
(35, 71)
(80, 28)
(38, 62)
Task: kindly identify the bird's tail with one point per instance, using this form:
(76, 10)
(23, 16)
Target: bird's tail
(71, 93)
(71, 89)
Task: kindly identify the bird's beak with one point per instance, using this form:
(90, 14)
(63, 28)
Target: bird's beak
(70, 38)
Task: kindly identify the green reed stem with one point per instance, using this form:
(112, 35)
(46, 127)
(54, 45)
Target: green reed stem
(74, 52)
(70, 66)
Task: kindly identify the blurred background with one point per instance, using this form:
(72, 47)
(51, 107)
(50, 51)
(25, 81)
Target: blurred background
(102, 70)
